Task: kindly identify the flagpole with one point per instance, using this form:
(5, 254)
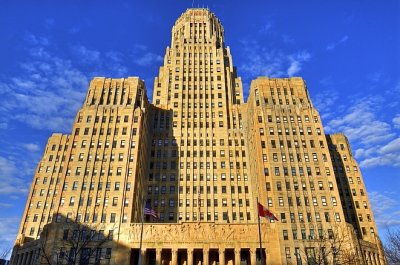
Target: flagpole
(259, 235)
(141, 236)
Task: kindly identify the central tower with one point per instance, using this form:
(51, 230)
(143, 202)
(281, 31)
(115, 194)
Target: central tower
(201, 160)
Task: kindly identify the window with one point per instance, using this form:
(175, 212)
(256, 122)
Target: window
(68, 219)
(112, 218)
(115, 201)
(264, 158)
(285, 235)
(327, 217)
(337, 217)
(334, 202)
(280, 200)
(65, 234)
(108, 253)
(294, 233)
(323, 199)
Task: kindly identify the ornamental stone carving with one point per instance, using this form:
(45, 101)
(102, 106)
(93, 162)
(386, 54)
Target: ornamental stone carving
(197, 232)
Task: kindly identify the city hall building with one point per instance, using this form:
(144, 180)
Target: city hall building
(200, 156)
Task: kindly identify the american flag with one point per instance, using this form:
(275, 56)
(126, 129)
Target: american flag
(149, 211)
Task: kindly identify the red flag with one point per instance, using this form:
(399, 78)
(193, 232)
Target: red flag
(264, 212)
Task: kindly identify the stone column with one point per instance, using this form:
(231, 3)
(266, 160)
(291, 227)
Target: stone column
(158, 256)
(143, 257)
(237, 256)
(206, 257)
(24, 258)
(190, 257)
(16, 259)
(253, 256)
(33, 257)
(222, 257)
(29, 258)
(20, 257)
(174, 256)
(376, 259)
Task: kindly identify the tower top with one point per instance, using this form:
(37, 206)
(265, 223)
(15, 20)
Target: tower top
(197, 15)
(198, 25)
(198, 11)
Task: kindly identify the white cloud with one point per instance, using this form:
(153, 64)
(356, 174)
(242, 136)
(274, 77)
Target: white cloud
(47, 93)
(381, 160)
(359, 123)
(10, 177)
(8, 230)
(7, 167)
(139, 47)
(143, 57)
(6, 205)
(294, 68)
(31, 147)
(296, 62)
(388, 154)
(36, 40)
(102, 63)
(115, 56)
(383, 206)
(325, 100)
(261, 61)
(364, 152)
(148, 59)
(86, 55)
(333, 45)
(393, 146)
(373, 139)
(377, 77)
(396, 121)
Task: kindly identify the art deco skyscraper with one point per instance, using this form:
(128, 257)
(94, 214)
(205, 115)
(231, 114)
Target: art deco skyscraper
(201, 157)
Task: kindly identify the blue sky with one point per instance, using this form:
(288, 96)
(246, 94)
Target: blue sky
(347, 51)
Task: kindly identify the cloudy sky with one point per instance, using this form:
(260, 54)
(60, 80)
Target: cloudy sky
(347, 51)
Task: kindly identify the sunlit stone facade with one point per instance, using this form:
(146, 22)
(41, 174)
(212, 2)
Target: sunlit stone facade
(200, 156)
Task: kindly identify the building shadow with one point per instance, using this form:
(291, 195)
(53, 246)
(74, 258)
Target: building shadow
(65, 241)
(162, 181)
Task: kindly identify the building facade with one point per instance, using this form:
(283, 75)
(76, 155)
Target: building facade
(201, 157)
